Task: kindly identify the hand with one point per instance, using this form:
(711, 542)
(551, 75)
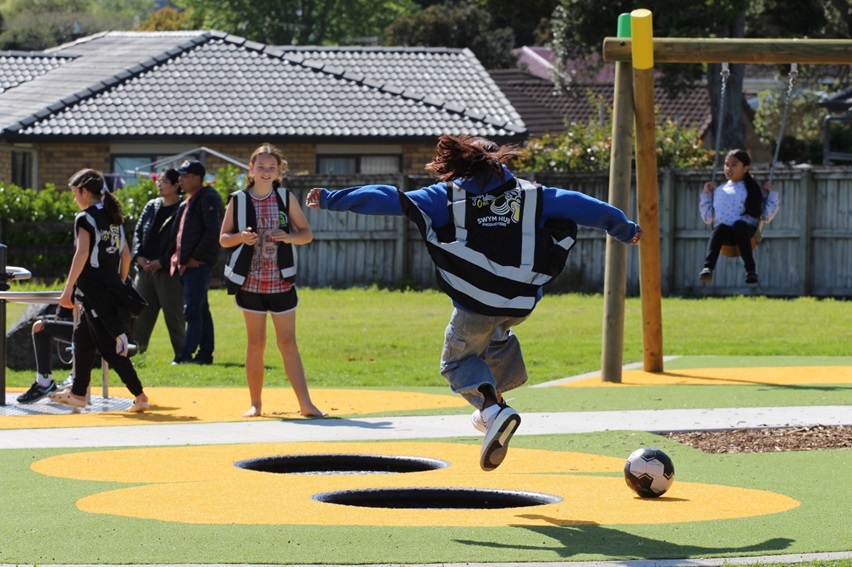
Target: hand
(143, 262)
(248, 236)
(313, 199)
(122, 345)
(153, 266)
(636, 237)
(66, 300)
(280, 236)
(709, 187)
(767, 187)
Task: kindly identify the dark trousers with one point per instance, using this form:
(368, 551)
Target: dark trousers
(163, 291)
(738, 235)
(199, 321)
(91, 338)
(43, 343)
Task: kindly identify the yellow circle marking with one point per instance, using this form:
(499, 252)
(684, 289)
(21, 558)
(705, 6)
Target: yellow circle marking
(780, 376)
(201, 485)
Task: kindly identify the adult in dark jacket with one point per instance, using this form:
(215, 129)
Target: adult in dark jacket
(153, 244)
(197, 250)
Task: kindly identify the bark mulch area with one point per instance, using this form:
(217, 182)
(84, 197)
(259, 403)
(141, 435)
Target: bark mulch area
(768, 440)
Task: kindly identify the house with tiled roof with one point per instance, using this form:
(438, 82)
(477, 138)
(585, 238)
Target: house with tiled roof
(116, 101)
(544, 108)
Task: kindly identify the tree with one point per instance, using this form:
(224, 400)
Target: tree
(456, 24)
(300, 22)
(39, 24)
(580, 25)
(527, 19)
(165, 19)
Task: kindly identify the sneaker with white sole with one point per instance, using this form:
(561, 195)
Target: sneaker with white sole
(36, 392)
(497, 436)
(477, 421)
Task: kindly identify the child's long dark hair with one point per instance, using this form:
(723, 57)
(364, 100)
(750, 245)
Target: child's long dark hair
(469, 156)
(93, 182)
(754, 194)
(267, 149)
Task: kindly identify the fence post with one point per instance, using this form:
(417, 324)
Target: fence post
(668, 206)
(400, 268)
(807, 197)
(3, 287)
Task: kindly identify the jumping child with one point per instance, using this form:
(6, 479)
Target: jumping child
(495, 241)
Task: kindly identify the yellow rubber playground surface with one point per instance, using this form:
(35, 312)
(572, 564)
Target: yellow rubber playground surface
(168, 479)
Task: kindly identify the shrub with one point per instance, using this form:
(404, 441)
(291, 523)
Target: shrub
(587, 147)
(26, 205)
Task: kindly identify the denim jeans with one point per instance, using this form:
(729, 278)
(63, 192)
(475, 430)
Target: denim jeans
(199, 321)
(480, 349)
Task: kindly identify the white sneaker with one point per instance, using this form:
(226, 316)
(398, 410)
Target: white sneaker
(67, 383)
(477, 421)
(497, 436)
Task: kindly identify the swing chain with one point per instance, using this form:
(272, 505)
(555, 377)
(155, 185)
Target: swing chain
(724, 73)
(793, 75)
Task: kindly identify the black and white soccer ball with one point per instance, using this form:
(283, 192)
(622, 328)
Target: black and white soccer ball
(649, 472)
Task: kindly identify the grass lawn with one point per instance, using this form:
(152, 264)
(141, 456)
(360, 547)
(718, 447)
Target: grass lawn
(392, 339)
(381, 338)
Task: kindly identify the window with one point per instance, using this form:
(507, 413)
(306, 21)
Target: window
(349, 164)
(22, 169)
(124, 169)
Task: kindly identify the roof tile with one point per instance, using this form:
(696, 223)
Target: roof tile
(217, 85)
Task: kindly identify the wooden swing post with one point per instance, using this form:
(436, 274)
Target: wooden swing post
(620, 169)
(642, 50)
(647, 199)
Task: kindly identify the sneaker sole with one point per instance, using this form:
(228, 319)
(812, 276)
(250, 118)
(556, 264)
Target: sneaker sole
(494, 451)
(32, 401)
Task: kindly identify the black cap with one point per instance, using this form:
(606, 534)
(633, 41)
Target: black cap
(192, 166)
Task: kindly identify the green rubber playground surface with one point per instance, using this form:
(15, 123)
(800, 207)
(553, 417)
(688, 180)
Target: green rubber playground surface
(189, 504)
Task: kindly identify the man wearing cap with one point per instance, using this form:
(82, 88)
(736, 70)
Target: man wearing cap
(196, 252)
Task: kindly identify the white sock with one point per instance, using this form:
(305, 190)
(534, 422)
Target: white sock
(44, 381)
(489, 413)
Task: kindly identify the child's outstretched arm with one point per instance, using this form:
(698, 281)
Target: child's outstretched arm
(588, 211)
(366, 200)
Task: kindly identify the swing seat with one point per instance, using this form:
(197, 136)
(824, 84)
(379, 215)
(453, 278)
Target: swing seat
(732, 251)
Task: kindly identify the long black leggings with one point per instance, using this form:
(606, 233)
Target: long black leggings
(738, 235)
(91, 338)
(43, 339)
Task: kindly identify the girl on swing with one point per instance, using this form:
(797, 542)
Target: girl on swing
(735, 209)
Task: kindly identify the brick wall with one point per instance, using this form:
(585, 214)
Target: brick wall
(300, 158)
(59, 161)
(5, 165)
(414, 157)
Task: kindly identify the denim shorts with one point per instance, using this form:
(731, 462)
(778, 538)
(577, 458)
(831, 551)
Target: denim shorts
(267, 302)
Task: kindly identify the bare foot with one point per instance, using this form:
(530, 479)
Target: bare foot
(253, 411)
(312, 411)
